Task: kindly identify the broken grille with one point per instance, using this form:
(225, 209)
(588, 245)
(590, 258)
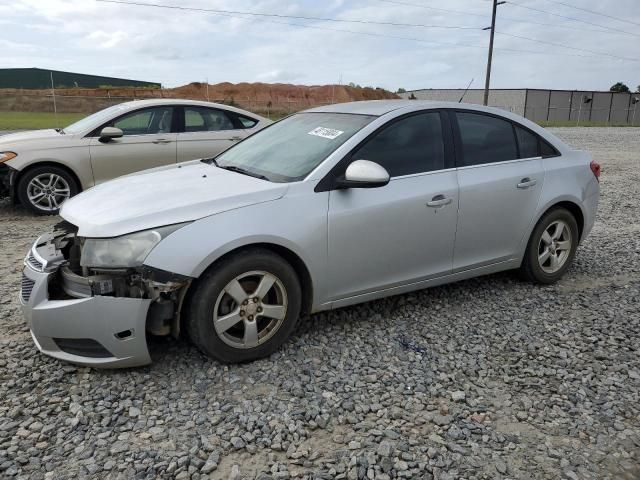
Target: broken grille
(33, 261)
(26, 288)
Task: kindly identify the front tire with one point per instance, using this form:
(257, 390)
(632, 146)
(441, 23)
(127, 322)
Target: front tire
(551, 248)
(245, 307)
(44, 189)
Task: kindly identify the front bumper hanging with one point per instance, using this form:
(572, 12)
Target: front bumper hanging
(92, 320)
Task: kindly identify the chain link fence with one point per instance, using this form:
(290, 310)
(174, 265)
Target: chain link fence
(87, 104)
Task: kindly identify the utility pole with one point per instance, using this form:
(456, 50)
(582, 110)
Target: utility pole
(487, 80)
(53, 94)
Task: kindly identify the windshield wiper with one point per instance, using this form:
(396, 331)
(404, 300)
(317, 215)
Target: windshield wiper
(60, 131)
(233, 168)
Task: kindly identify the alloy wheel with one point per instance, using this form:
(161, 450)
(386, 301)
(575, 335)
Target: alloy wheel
(250, 309)
(48, 191)
(555, 247)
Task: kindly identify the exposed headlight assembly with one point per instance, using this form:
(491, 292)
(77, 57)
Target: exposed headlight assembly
(6, 156)
(125, 251)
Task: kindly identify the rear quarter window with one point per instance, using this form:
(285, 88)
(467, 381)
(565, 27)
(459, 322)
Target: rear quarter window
(528, 143)
(548, 150)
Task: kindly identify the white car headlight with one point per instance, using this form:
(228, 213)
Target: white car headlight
(125, 251)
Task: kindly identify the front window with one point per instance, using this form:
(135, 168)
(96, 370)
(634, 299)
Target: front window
(289, 150)
(149, 121)
(410, 145)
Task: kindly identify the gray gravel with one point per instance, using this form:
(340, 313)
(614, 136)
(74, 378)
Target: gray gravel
(484, 379)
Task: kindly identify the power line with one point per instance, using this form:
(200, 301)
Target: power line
(544, 42)
(437, 9)
(264, 18)
(510, 19)
(294, 17)
(539, 10)
(595, 13)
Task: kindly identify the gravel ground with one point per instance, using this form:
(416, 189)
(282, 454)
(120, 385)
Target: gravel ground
(484, 379)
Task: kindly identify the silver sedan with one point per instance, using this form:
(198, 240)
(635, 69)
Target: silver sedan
(327, 208)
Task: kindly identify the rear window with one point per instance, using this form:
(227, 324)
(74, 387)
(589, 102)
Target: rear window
(485, 139)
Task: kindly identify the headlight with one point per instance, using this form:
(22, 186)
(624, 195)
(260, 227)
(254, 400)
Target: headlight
(6, 156)
(126, 251)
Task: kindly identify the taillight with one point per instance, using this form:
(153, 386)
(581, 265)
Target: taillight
(595, 168)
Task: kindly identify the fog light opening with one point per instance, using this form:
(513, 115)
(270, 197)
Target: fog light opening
(123, 335)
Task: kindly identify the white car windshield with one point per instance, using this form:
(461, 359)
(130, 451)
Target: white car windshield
(290, 149)
(95, 119)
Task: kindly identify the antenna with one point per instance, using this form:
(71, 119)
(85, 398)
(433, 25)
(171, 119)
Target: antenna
(465, 91)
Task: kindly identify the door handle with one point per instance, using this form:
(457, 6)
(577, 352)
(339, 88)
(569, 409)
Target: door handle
(236, 138)
(526, 183)
(439, 201)
(161, 141)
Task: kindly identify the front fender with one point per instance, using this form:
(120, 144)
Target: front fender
(191, 250)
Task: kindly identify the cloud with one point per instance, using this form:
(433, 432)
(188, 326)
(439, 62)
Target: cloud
(106, 40)
(177, 47)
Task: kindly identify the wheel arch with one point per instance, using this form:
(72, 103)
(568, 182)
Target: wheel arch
(569, 205)
(296, 262)
(51, 163)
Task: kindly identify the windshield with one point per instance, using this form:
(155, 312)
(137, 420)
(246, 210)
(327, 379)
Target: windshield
(95, 119)
(290, 149)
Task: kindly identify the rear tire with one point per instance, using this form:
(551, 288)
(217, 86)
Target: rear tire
(551, 248)
(44, 189)
(245, 307)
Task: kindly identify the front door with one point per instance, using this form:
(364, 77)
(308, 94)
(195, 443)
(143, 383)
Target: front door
(403, 232)
(148, 141)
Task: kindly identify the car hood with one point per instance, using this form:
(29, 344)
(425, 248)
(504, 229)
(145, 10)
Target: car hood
(31, 135)
(35, 140)
(164, 196)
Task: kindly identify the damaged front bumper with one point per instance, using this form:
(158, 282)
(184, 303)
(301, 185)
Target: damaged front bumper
(97, 320)
(7, 175)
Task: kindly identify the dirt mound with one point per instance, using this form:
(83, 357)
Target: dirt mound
(278, 96)
(267, 98)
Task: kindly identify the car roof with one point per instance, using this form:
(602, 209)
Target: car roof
(181, 101)
(381, 107)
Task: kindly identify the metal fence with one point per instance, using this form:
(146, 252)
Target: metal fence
(550, 106)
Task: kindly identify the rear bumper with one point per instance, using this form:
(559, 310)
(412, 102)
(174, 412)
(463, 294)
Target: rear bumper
(591, 201)
(96, 331)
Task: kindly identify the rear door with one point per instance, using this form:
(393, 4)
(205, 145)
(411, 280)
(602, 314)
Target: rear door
(148, 141)
(403, 232)
(500, 175)
(208, 131)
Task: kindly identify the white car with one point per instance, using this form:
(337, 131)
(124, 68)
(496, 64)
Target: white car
(42, 168)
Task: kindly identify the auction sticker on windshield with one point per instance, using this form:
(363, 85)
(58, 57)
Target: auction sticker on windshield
(325, 132)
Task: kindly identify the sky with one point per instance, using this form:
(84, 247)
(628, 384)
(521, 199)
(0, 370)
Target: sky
(175, 47)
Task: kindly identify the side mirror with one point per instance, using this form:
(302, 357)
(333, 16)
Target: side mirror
(109, 133)
(363, 174)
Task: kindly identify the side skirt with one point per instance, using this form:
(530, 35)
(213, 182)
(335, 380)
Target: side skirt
(432, 282)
